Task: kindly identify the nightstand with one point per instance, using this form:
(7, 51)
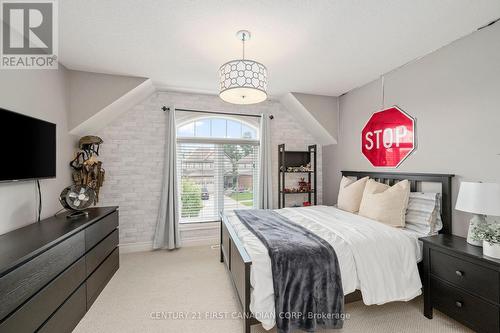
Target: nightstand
(460, 282)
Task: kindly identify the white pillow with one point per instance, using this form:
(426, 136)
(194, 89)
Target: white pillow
(351, 193)
(384, 203)
(424, 213)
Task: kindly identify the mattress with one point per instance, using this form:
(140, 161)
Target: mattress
(379, 260)
(415, 235)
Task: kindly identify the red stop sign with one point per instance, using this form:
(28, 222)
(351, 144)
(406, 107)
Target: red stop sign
(388, 137)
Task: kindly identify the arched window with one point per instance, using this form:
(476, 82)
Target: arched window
(217, 127)
(217, 161)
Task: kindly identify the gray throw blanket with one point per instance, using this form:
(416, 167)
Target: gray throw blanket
(306, 274)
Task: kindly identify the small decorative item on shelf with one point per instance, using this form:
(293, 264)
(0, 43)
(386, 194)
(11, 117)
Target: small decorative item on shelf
(305, 168)
(301, 168)
(305, 189)
(303, 185)
(297, 190)
(489, 235)
(306, 204)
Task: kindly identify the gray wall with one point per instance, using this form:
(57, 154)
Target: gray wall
(454, 93)
(41, 94)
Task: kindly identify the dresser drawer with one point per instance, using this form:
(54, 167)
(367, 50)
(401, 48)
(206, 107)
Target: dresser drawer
(97, 231)
(470, 310)
(95, 256)
(98, 280)
(474, 278)
(34, 312)
(68, 315)
(20, 284)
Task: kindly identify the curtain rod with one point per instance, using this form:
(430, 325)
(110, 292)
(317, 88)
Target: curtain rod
(164, 108)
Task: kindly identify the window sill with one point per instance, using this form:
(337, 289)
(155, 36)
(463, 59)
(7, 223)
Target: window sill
(199, 225)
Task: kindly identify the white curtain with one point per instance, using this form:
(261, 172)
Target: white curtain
(265, 177)
(167, 235)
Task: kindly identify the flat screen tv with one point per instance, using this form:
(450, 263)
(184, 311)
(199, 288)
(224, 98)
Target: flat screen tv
(27, 147)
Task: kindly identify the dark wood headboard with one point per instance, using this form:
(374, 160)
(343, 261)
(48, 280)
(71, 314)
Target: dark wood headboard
(391, 178)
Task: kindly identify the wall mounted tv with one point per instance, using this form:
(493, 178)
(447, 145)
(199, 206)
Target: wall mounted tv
(27, 147)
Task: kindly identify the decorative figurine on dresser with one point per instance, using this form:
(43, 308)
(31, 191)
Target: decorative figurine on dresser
(461, 278)
(87, 169)
(88, 177)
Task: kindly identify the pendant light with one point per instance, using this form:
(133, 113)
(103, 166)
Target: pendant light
(243, 81)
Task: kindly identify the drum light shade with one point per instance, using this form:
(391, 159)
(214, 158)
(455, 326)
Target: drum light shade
(243, 82)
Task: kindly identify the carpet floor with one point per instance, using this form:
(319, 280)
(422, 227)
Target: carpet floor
(189, 291)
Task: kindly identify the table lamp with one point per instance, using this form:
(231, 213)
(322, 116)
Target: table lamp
(481, 199)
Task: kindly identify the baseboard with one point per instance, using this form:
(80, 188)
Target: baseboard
(199, 242)
(136, 247)
(148, 246)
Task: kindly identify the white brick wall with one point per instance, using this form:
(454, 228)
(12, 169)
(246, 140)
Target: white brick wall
(133, 148)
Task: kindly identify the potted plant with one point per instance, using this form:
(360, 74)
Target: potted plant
(489, 233)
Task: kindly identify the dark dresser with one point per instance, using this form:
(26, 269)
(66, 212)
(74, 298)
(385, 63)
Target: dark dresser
(462, 283)
(51, 272)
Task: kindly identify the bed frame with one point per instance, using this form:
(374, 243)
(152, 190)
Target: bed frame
(238, 262)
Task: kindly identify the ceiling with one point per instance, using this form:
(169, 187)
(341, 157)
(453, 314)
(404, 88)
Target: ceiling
(324, 47)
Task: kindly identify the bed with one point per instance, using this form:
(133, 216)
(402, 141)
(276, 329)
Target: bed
(238, 247)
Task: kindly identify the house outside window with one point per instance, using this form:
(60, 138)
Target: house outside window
(217, 161)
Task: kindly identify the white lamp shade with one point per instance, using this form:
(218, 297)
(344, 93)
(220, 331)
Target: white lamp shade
(479, 198)
(243, 82)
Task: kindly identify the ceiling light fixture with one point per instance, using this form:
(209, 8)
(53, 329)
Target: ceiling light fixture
(243, 81)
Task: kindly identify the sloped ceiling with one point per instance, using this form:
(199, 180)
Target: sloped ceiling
(89, 93)
(317, 114)
(96, 99)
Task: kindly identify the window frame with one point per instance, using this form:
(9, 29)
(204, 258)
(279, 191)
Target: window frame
(217, 141)
(194, 120)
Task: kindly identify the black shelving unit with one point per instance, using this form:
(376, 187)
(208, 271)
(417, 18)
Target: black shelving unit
(288, 158)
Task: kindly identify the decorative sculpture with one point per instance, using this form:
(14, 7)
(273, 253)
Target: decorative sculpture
(87, 169)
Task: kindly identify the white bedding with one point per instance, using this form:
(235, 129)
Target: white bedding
(379, 260)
